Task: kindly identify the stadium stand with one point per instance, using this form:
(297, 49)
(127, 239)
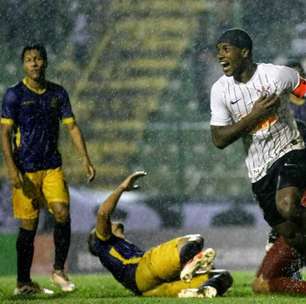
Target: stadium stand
(128, 68)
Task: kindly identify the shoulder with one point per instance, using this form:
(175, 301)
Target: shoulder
(56, 88)
(220, 85)
(13, 92)
(276, 70)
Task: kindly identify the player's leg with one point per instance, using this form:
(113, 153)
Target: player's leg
(188, 246)
(26, 209)
(279, 192)
(172, 289)
(203, 261)
(25, 251)
(272, 237)
(218, 283)
(206, 285)
(274, 274)
(220, 280)
(290, 187)
(56, 193)
(164, 262)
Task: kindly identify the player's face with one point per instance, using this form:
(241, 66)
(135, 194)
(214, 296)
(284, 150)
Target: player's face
(231, 59)
(34, 65)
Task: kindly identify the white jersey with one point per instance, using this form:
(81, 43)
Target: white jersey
(273, 137)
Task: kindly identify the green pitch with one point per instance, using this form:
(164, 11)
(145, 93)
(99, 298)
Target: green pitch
(104, 289)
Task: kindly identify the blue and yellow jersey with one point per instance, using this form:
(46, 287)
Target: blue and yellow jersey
(35, 116)
(121, 258)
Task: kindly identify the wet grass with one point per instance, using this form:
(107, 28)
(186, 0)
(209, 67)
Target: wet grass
(104, 289)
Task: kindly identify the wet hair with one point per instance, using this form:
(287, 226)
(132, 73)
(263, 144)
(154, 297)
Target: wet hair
(237, 37)
(36, 46)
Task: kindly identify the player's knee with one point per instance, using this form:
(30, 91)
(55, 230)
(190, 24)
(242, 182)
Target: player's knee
(29, 225)
(260, 285)
(193, 238)
(286, 206)
(192, 244)
(61, 214)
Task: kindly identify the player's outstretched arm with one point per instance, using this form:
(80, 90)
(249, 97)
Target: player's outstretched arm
(103, 225)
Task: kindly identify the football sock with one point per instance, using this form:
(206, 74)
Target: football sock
(25, 252)
(190, 249)
(222, 281)
(62, 233)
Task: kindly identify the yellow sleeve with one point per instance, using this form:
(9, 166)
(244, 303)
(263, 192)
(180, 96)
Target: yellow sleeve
(68, 120)
(7, 121)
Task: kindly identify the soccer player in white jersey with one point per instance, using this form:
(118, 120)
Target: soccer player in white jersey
(250, 102)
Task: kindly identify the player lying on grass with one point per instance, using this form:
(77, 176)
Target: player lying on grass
(178, 267)
(276, 271)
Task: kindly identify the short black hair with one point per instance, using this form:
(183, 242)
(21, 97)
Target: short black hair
(35, 46)
(237, 37)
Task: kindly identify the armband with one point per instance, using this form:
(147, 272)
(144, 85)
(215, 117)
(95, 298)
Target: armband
(300, 90)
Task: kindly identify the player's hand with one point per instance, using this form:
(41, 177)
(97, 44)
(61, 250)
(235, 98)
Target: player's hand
(266, 105)
(129, 183)
(30, 190)
(90, 171)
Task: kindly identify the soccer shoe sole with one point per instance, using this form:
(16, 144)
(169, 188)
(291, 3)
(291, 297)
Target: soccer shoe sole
(203, 261)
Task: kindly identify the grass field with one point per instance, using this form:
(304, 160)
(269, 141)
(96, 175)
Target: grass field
(104, 289)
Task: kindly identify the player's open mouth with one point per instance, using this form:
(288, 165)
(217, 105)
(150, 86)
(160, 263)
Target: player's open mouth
(225, 65)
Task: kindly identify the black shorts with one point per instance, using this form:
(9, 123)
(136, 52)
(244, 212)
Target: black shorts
(289, 170)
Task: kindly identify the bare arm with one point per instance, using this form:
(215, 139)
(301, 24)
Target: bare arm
(222, 136)
(103, 224)
(13, 172)
(79, 143)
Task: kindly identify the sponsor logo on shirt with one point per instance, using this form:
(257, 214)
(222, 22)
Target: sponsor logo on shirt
(27, 103)
(234, 101)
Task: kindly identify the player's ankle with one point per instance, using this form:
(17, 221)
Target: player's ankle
(22, 283)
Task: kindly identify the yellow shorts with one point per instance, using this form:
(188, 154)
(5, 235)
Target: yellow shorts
(40, 188)
(158, 265)
(171, 289)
